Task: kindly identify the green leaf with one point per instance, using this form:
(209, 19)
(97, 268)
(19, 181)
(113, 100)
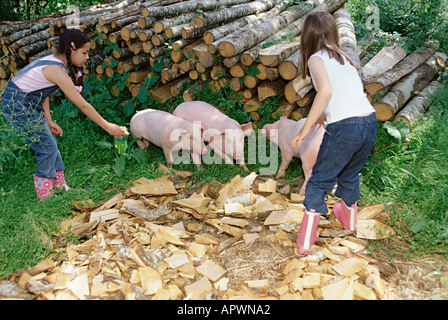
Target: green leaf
(418, 226)
(158, 66)
(142, 95)
(128, 108)
(104, 144)
(252, 70)
(87, 171)
(398, 129)
(119, 166)
(139, 155)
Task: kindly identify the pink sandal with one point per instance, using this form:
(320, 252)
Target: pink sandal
(308, 231)
(347, 216)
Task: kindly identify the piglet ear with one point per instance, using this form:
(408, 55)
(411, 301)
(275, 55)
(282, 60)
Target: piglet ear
(283, 117)
(247, 128)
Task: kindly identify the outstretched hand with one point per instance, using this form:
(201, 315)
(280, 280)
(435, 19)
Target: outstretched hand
(114, 130)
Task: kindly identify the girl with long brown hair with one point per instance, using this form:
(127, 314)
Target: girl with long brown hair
(350, 122)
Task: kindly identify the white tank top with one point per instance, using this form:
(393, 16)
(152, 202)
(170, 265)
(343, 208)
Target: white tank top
(34, 79)
(348, 98)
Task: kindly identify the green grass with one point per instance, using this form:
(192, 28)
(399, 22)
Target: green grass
(414, 175)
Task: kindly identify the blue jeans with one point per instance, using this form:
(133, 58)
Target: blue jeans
(25, 113)
(343, 153)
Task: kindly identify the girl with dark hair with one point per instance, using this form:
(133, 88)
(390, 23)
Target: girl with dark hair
(25, 104)
(350, 122)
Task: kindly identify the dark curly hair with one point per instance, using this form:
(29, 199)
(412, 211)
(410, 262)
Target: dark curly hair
(66, 39)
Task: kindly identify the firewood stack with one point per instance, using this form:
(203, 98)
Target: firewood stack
(250, 46)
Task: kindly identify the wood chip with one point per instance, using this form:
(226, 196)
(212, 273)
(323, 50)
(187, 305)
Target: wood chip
(373, 230)
(104, 215)
(269, 186)
(150, 279)
(177, 259)
(370, 212)
(350, 266)
(339, 290)
(198, 289)
(211, 270)
(154, 188)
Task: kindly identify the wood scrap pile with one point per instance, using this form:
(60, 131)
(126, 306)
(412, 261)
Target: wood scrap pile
(250, 45)
(164, 239)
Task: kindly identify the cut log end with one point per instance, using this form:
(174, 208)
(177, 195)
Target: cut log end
(384, 111)
(246, 59)
(287, 70)
(227, 49)
(208, 37)
(373, 87)
(398, 118)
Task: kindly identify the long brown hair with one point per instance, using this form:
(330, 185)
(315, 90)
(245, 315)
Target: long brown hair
(320, 33)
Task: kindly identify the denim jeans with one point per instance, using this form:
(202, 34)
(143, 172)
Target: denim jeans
(343, 153)
(25, 113)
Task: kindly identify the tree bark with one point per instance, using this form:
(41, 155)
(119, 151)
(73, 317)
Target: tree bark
(183, 19)
(235, 29)
(291, 29)
(177, 86)
(401, 69)
(187, 6)
(145, 34)
(234, 12)
(251, 37)
(175, 31)
(347, 37)
(31, 49)
(419, 104)
(274, 55)
(125, 32)
(404, 89)
(124, 11)
(217, 33)
(384, 60)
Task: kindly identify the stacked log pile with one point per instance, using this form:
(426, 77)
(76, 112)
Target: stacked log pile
(251, 46)
(165, 240)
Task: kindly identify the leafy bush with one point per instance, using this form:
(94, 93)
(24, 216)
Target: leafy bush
(412, 22)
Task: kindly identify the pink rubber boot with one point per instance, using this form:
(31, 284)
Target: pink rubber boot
(59, 182)
(347, 216)
(308, 231)
(43, 187)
